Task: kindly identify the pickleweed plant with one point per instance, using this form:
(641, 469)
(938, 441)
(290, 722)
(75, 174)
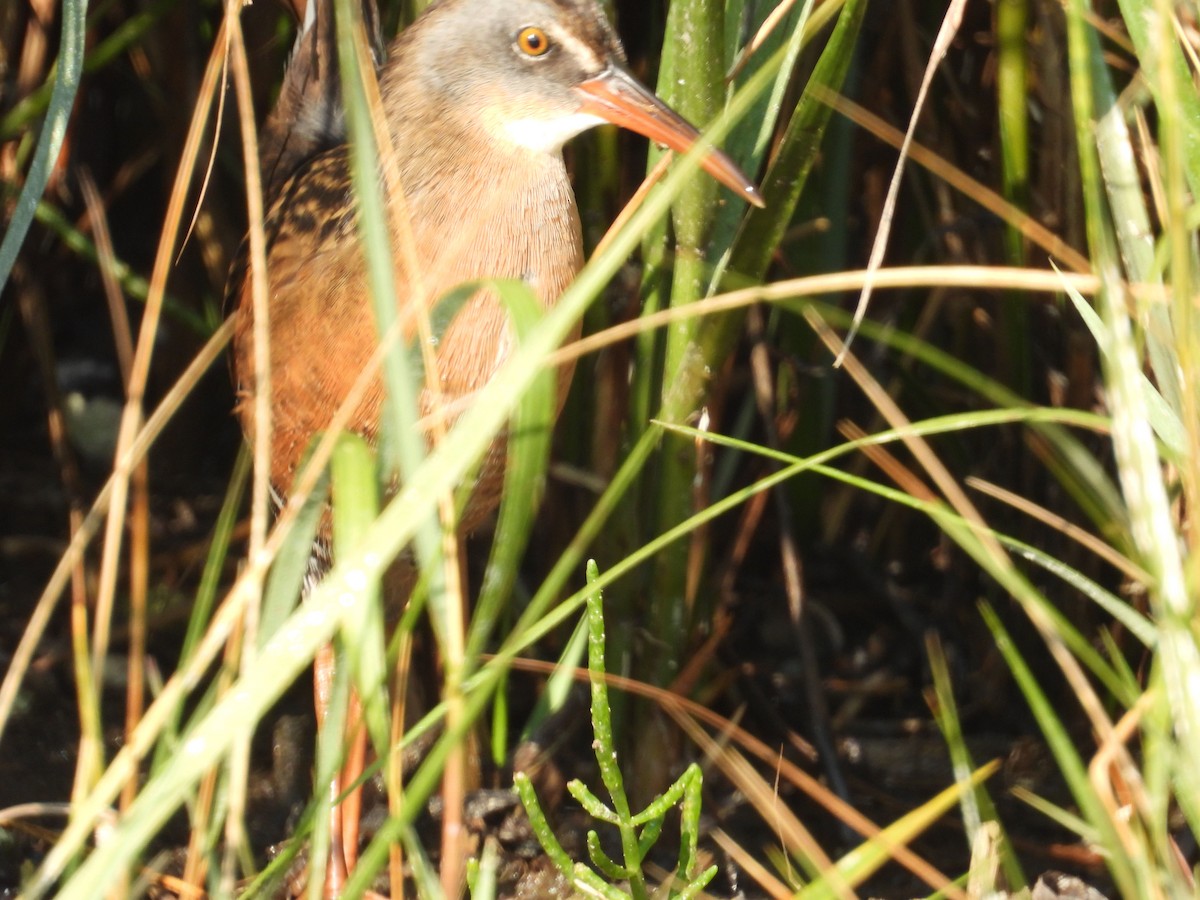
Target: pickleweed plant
(639, 832)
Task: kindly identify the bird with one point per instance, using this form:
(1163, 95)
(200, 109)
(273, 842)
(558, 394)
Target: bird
(479, 99)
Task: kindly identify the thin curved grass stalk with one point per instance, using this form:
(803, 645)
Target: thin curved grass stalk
(856, 866)
(978, 810)
(54, 130)
(946, 33)
(1065, 753)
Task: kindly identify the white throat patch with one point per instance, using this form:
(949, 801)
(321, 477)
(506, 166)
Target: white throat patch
(548, 135)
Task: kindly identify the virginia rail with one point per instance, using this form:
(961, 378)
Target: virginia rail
(479, 98)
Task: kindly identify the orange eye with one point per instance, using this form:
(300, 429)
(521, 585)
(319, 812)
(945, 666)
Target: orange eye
(532, 41)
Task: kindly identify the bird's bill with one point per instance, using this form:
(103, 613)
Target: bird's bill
(617, 97)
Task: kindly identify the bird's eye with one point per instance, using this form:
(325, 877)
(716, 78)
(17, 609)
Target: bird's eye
(532, 41)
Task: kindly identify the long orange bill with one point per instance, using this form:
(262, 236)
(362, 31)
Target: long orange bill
(617, 97)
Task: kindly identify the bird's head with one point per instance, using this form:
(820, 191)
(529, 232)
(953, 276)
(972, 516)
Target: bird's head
(535, 73)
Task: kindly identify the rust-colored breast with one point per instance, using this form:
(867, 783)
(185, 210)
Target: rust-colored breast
(505, 217)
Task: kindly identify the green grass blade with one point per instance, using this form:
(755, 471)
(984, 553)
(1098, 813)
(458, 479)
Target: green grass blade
(1062, 746)
(977, 805)
(54, 130)
(865, 860)
(355, 506)
(798, 151)
(524, 476)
